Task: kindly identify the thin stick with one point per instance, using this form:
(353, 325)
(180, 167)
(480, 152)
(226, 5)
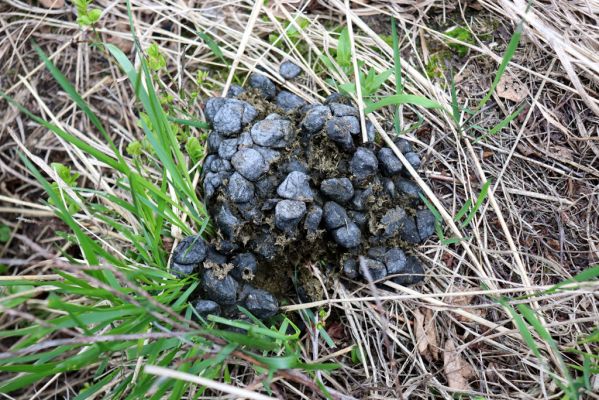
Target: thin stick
(422, 296)
(242, 44)
(24, 211)
(354, 60)
(10, 278)
(183, 376)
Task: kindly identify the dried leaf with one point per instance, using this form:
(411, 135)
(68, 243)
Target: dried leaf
(563, 153)
(456, 369)
(426, 336)
(475, 5)
(420, 332)
(336, 331)
(571, 187)
(462, 301)
(511, 89)
(554, 243)
(526, 150)
(448, 260)
(431, 334)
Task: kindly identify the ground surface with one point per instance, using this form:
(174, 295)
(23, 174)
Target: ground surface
(538, 225)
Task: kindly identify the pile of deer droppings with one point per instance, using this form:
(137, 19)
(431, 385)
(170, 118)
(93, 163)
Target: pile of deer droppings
(288, 183)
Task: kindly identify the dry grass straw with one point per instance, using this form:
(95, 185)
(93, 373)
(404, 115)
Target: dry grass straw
(539, 227)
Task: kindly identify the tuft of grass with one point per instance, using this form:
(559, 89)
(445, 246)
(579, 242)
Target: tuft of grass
(130, 311)
(573, 379)
(505, 60)
(456, 110)
(121, 360)
(463, 217)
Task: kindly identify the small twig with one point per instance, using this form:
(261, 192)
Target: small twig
(91, 340)
(354, 60)
(242, 44)
(222, 387)
(9, 278)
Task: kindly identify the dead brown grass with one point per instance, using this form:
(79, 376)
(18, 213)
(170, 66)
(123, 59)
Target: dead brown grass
(539, 227)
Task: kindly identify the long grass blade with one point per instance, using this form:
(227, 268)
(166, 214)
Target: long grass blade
(502, 124)
(479, 201)
(507, 57)
(403, 99)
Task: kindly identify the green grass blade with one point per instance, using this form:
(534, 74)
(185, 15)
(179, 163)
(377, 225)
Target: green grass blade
(256, 330)
(507, 56)
(344, 49)
(403, 99)
(86, 147)
(431, 207)
(544, 334)
(20, 381)
(525, 311)
(88, 247)
(463, 210)
(91, 391)
(452, 240)
(502, 124)
(213, 46)
(587, 275)
(479, 201)
(161, 136)
(193, 123)
(587, 372)
(72, 92)
(522, 328)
